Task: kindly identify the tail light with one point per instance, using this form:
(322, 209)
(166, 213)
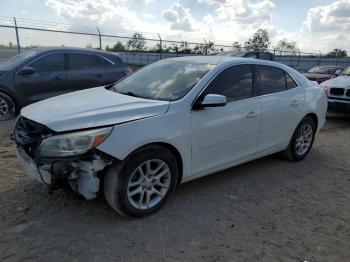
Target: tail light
(128, 71)
(325, 90)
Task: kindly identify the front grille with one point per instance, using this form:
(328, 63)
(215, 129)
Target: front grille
(336, 91)
(28, 134)
(348, 93)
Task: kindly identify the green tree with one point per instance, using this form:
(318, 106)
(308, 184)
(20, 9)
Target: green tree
(117, 47)
(337, 52)
(283, 46)
(137, 42)
(260, 41)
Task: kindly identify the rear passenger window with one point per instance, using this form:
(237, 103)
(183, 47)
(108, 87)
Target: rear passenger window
(235, 83)
(79, 61)
(269, 80)
(104, 62)
(290, 82)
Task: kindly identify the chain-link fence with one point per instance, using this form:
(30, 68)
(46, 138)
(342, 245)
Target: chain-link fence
(142, 48)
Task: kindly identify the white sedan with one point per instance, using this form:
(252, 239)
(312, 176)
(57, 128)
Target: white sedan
(338, 90)
(170, 122)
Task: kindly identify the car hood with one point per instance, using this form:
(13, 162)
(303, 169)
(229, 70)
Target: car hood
(316, 76)
(340, 81)
(91, 108)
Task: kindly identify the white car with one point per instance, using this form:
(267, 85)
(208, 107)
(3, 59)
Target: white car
(170, 122)
(338, 90)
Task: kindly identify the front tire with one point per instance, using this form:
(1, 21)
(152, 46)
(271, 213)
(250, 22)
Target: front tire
(7, 107)
(141, 184)
(302, 140)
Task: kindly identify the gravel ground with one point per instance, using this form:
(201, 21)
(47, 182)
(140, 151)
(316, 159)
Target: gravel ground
(266, 210)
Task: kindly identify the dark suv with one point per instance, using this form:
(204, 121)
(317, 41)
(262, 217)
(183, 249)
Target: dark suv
(40, 73)
(250, 54)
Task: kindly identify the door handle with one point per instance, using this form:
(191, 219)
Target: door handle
(295, 103)
(99, 75)
(252, 114)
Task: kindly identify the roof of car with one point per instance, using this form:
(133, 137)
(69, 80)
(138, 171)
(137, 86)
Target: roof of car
(216, 60)
(41, 50)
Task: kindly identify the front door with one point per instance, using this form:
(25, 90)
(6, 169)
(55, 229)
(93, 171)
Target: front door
(224, 135)
(48, 80)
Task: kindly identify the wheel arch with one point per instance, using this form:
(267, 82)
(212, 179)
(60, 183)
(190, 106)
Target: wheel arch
(172, 149)
(314, 117)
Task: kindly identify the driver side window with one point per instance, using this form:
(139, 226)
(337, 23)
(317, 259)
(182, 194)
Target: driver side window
(236, 83)
(49, 63)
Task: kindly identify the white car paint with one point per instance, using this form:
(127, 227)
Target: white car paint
(342, 81)
(207, 140)
(91, 108)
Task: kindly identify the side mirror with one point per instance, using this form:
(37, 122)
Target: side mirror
(211, 100)
(26, 71)
(338, 72)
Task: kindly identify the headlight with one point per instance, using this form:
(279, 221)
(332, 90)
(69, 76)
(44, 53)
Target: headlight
(72, 144)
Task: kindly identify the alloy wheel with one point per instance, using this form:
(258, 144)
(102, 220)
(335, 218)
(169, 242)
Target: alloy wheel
(304, 139)
(148, 184)
(4, 108)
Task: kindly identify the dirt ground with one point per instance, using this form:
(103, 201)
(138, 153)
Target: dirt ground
(266, 210)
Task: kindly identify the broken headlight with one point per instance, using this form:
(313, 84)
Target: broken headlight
(72, 144)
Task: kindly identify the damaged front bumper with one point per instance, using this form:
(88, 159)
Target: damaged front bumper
(80, 172)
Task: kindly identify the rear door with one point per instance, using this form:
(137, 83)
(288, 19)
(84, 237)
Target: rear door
(85, 71)
(282, 107)
(49, 78)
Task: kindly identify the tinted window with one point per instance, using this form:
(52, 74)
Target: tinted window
(82, 61)
(48, 63)
(250, 55)
(265, 56)
(235, 83)
(104, 62)
(163, 80)
(269, 80)
(290, 82)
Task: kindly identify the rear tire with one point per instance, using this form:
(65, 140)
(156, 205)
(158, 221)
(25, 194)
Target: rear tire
(302, 140)
(142, 183)
(7, 107)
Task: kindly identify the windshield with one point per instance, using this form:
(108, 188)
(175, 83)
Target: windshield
(322, 70)
(165, 80)
(17, 59)
(346, 72)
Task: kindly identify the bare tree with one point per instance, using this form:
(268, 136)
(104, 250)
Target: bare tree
(236, 46)
(137, 42)
(283, 46)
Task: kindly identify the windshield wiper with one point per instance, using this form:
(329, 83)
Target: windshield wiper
(129, 93)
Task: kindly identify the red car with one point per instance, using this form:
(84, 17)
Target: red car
(323, 73)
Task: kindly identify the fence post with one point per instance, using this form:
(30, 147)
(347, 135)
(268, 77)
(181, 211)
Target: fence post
(99, 38)
(160, 47)
(17, 37)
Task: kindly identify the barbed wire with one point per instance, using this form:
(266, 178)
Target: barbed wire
(33, 32)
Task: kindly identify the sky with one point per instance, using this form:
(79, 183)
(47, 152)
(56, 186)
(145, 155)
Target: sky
(316, 25)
